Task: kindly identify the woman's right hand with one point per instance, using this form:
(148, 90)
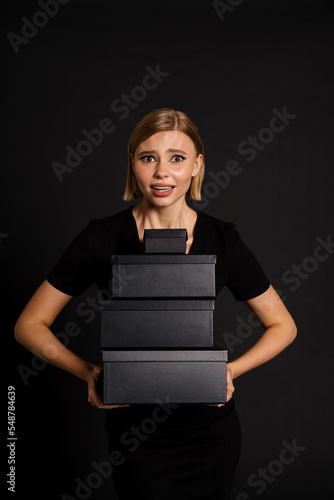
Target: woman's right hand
(32, 330)
(94, 384)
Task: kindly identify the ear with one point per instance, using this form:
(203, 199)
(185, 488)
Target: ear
(197, 166)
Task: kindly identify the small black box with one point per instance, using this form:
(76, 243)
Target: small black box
(157, 323)
(146, 276)
(165, 240)
(180, 376)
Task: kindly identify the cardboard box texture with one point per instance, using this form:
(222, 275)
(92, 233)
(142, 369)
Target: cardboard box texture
(182, 376)
(157, 323)
(165, 241)
(157, 332)
(148, 276)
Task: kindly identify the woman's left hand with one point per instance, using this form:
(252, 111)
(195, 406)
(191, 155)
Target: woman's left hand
(229, 386)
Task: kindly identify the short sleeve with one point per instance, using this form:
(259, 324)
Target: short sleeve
(246, 278)
(77, 267)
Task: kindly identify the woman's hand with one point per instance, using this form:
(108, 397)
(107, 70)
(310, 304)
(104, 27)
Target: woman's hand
(229, 382)
(229, 385)
(94, 380)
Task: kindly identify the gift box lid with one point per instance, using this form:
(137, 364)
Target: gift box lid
(149, 355)
(163, 259)
(165, 233)
(156, 305)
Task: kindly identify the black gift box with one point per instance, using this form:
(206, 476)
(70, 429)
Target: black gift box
(145, 276)
(165, 241)
(180, 376)
(157, 323)
(158, 330)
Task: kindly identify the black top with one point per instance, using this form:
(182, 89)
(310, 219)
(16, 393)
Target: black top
(87, 259)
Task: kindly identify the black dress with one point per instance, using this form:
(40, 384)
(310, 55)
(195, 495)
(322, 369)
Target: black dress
(166, 451)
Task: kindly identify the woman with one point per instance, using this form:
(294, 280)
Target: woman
(194, 451)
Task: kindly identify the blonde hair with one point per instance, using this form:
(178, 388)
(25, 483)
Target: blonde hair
(160, 120)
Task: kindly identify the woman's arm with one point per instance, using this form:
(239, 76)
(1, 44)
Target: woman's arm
(32, 330)
(280, 332)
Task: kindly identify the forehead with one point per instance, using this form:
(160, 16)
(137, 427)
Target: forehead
(168, 139)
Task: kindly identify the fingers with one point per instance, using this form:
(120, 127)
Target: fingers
(97, 373)
(95, 400)
(229, 387)
(229, 384)
(94, 389)
(114, 406)
(101, 406)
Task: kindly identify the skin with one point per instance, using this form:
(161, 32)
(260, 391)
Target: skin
(162, 166)
(154, 163)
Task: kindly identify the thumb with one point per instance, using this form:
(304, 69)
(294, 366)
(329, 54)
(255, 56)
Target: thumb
(98, 371)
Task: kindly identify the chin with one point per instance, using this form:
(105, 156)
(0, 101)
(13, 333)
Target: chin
(162, 202)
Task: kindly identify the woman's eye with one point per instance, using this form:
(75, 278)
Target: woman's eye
(147, 158)
(178, 158)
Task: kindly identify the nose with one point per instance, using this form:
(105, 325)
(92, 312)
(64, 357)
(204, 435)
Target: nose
(161, 170)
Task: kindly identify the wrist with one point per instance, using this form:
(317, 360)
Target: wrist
(231, 368)
(87, 371)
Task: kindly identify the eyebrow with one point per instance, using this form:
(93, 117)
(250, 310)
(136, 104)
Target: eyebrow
(170, 150)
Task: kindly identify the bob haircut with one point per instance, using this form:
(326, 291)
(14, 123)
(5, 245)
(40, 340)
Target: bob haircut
(160, 120)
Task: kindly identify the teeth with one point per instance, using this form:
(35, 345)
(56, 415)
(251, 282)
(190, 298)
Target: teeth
(162, 188)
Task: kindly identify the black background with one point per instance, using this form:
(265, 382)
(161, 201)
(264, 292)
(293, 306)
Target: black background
(227, 76)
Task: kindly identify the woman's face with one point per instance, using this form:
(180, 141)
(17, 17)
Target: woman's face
(164, 165)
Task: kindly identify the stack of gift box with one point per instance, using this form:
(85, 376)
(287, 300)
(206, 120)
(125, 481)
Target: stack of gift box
(157, 331)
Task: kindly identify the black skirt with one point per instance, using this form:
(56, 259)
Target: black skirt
(174, 451)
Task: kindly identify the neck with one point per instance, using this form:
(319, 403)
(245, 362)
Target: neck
(149, 216)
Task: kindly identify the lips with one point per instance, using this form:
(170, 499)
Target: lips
(161, 189)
